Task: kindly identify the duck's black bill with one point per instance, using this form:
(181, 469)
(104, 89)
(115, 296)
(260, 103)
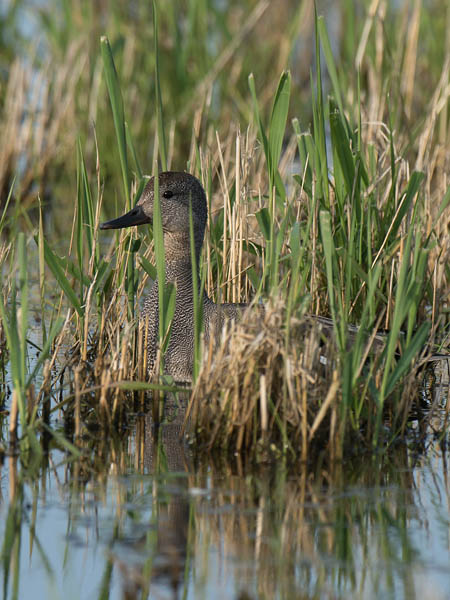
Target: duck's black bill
(135, 216)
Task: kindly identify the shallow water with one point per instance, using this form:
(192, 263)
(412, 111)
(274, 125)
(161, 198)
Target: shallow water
(135, 518)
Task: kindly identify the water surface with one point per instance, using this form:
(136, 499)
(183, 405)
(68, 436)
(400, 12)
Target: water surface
(136, 518)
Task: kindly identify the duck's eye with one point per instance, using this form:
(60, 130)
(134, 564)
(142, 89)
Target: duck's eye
(167, 194)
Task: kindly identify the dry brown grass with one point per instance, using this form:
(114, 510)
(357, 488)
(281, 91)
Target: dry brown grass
(36, 120)
(267, 390)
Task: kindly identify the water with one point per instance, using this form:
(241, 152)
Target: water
(135, 517)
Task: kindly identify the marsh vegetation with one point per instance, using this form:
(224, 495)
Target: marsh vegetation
(324, 153)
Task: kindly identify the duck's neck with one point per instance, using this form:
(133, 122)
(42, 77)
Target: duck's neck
(179, 271)
(178, 261)
(177, 246)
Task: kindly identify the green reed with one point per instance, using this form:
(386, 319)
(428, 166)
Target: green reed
(115, 97)
(166, 291)
(360, 244)
(197, 296)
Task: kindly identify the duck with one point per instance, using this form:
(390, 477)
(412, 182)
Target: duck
(177, 192)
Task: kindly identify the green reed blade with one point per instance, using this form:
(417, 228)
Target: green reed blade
(298, 275)
(169, 311)
(103, 271)
(276, 245)
(254, 277)
(158, 239)
(159, 105)
(329, 59)
(166, 293)
(11, 539)
(263, 218)
(86, 206)
(413, 348)
(141, 186)
(197, 290)
(42, 269)
(272, 143)
(55, 264)
(10, 328)
(148, 268)
(294, 244)
(321, 158)
(365, 321)
(5, 208)
(401, 308)
(306, 177)
(23, 295)
(15, 326)
(278, 121)
(261, 133)
(339, 320)
(341, 144)
(115, 97)
(417, 280)
(79, 222)
(407, 199)
(346, 385)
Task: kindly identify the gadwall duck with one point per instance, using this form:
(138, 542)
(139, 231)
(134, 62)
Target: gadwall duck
(176, 192)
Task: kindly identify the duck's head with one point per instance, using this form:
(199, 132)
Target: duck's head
(177, 191)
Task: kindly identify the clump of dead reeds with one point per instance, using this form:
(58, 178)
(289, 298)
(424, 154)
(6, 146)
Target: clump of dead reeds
(275, 385)
(264, 387)
(270, 389)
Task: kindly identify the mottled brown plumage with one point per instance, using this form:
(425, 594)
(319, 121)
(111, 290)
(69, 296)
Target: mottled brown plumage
(176, 191)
